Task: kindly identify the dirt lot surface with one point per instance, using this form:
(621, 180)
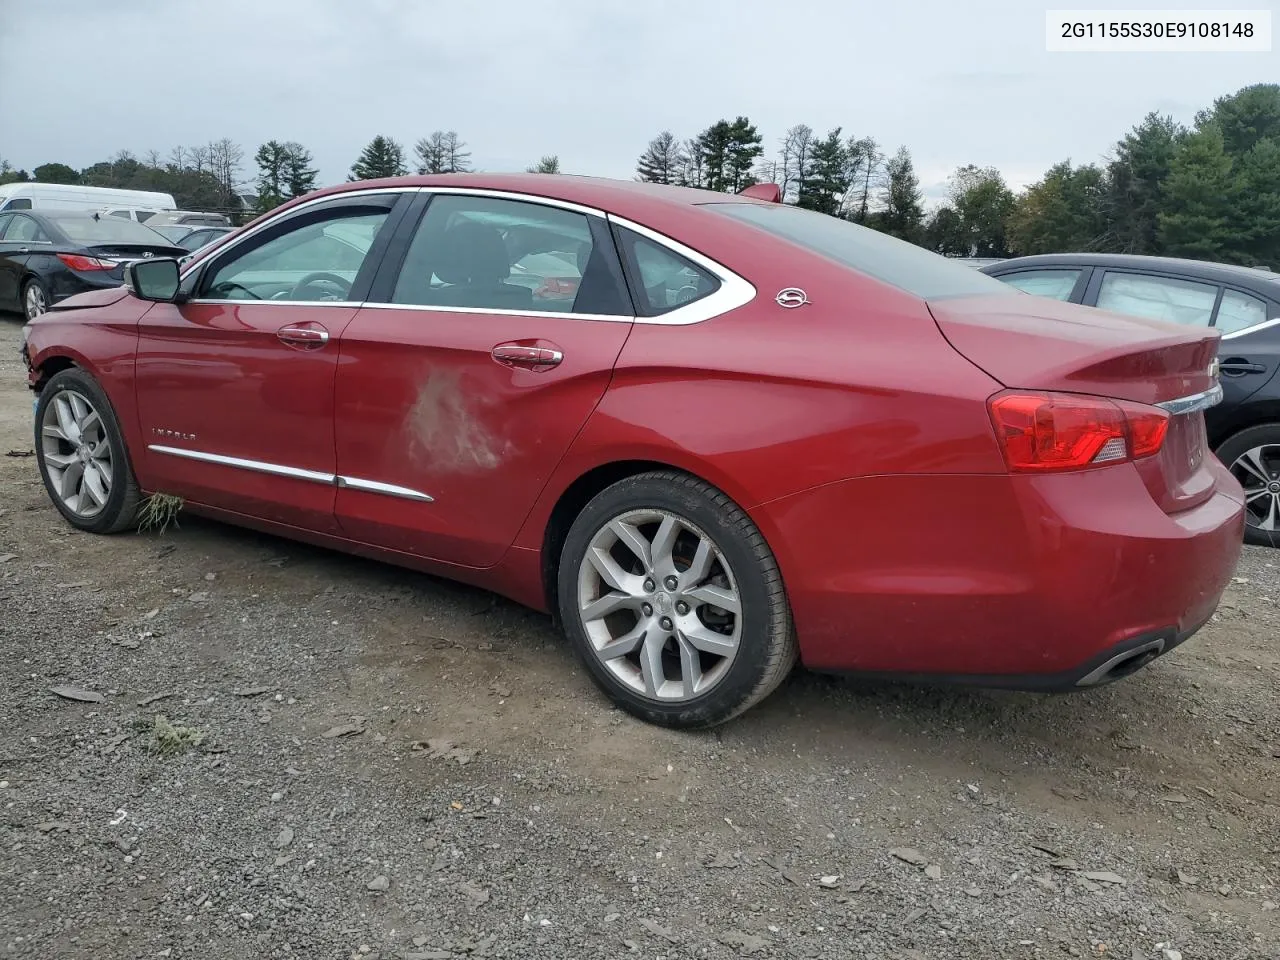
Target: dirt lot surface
(393, 766)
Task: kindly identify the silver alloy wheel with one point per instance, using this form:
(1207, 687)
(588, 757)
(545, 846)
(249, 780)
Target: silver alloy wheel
(34, 303)
(77, 453)
(1258, 470)
(659, 605)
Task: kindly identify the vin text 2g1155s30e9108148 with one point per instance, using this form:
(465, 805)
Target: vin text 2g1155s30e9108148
(711, 434)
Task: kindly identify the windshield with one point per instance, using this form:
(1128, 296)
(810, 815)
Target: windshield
(904, 265)
(85, 229)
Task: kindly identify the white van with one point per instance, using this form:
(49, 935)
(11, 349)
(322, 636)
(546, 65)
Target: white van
(62, 196)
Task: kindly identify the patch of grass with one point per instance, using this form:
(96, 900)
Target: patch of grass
(169, 740)
(159, 510)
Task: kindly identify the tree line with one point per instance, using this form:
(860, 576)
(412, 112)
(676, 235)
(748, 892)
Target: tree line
(1207, 191)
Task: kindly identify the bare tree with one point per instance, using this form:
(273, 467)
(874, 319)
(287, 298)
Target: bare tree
(199, 159)
(225, 158)
(457, 156)
(796, 162)
(430, 152)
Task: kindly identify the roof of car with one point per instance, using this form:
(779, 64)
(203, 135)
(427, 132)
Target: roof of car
(1205, 269)
(588, 191)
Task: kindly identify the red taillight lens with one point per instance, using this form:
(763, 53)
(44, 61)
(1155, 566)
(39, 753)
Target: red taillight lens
(85, 264)
(1041, 432)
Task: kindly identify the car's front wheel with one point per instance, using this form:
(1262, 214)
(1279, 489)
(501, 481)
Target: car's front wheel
(1253, 456)
(675, 601)
(82, 456)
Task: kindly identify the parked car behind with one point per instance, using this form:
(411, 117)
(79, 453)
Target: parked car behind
(748, 432)
(202, 236)
(1241, 303)
(47, 257)
(190, 218)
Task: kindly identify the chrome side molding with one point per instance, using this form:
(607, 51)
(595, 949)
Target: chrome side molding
(296, 473)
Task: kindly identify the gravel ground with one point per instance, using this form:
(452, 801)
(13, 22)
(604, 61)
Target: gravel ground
(301, 754)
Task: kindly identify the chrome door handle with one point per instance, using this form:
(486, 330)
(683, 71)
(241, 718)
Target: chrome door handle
(299, 335)
(525, 355)
(1239, 366)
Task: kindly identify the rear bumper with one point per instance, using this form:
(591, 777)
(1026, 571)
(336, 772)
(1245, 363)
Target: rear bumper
(1026, 582)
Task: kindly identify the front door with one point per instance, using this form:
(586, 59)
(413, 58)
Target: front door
(1249, 352)
(459, 394)
(235, 386)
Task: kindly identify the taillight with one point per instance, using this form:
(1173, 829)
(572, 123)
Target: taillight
(85, 264)
(1041, 432)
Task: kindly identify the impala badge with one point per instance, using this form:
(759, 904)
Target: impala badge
(791, 298)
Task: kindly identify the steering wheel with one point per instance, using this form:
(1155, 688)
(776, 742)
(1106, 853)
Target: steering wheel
(320, 277)
(226, 286)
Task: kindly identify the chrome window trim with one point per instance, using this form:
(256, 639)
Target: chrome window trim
(257, 466)
(518, 197)
(734, 292)
(349, 304)
(390, 489)
(496, 312)
(1194, 403)
(1264, 325)
(219, 249)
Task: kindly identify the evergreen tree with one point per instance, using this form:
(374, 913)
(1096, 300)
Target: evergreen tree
(272, 159)
(1135, 179)
(743, 149)
(548, 164)
(662, 161)
(299, 174)
(1202, 201)
(903, 210)
(1259, 210)
(383, 157)
(727, 151)
(829, 175)
(1245, 117)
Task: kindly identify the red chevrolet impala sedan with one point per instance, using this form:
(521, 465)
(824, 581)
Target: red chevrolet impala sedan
(711, 434)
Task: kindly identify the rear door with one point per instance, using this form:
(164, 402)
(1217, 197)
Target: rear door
(9, 293)
(460, 391)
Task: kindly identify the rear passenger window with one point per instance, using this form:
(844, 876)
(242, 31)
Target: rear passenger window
(1239, 311)
(1158, 298)
(666, 280)
(484, 253)
(1057, 284)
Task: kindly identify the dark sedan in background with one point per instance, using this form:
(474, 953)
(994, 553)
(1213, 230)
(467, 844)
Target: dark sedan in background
(47, 257)
(1242, 302)
(191, 238)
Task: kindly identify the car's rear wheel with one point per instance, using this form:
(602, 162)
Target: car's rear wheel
(1253, 456)
(35, 299)
(674, 601)
(82, 456)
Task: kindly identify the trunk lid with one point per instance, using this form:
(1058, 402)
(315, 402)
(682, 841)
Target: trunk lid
(1034, 343)
(125, 253)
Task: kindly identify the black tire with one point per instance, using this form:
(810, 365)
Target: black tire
(35, 283)
(1230, 451)
(120, 511)
(766, 647)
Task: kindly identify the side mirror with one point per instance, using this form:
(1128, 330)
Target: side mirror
(153, 279)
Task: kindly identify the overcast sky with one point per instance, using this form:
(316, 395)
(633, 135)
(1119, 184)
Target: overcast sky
(590, 80)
